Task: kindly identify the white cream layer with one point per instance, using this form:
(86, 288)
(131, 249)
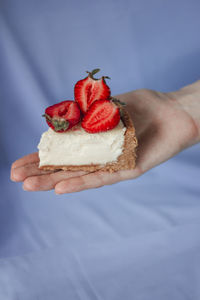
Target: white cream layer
(77, 147)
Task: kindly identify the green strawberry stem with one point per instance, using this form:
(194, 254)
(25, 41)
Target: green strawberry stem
(91, 74)
(58, 124)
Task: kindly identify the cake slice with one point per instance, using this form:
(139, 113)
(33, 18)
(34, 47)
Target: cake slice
(94, 132)
(77, 149)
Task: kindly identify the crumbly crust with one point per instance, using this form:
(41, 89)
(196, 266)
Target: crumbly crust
(126, 161)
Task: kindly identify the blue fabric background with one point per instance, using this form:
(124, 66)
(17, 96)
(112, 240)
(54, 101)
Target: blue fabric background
(138, 239)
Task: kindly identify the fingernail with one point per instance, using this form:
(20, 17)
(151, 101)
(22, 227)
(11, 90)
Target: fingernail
(58, 192)
(61, 192)
(14, 178)
(24, 188)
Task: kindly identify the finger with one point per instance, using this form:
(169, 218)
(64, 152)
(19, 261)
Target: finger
(48, 181)
(93, 180)
(30, 158)
(22, 172)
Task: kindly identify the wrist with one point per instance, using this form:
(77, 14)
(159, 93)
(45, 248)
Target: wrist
(188, 99)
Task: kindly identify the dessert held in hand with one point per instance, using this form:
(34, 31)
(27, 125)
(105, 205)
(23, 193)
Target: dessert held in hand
(91, 133)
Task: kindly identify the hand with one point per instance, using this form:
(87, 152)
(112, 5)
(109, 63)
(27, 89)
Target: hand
(163, 128)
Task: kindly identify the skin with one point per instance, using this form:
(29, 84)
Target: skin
(166, 123)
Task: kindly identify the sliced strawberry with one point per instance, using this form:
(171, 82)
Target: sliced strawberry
(62, 116)
(89, 89)
(102, 115)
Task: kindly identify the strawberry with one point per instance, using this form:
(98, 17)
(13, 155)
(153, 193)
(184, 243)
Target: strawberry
(89, 89)
(62, 116)
(102, 115)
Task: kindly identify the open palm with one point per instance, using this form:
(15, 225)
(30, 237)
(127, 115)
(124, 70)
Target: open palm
(163, 129)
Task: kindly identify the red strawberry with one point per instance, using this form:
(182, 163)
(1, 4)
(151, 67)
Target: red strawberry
(89, 89)
(102, 115)
(62, 116)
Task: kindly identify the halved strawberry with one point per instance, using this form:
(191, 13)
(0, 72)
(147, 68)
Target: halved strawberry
(62, 116)
(89, 89)
(102, 115)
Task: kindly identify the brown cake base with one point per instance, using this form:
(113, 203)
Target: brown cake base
(126, 161)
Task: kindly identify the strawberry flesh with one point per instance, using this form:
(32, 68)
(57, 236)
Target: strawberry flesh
(62, 116)
(102, 115)
(89, 89)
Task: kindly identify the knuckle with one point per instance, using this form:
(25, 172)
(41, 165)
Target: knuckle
(82, 182)
(52, 178)
(100, 179)
(35, 182)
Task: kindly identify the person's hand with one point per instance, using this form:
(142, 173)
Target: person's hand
(163, 128)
